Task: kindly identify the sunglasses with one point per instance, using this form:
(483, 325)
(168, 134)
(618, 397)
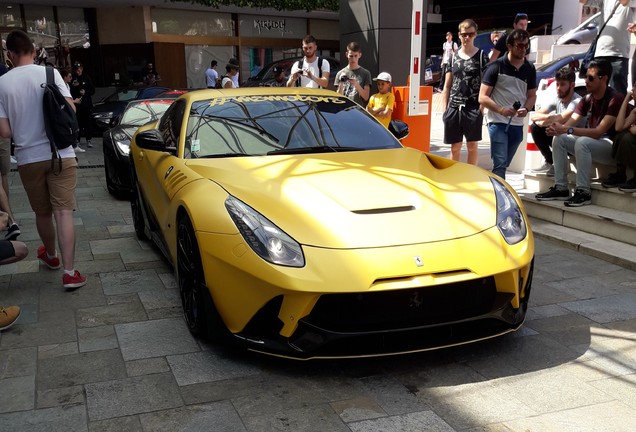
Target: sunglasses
(591, 78)
(521, 16)
(469, 34)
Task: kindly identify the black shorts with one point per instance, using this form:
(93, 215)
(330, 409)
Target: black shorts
(6, 250)
(466, 121)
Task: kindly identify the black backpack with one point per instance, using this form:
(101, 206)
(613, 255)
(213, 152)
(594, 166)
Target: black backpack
(299, 65)
(60, 121)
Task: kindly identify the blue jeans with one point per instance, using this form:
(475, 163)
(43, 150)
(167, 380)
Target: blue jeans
(620, 70)
(503, 145)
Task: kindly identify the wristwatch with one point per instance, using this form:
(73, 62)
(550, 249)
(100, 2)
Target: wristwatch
(570, 130)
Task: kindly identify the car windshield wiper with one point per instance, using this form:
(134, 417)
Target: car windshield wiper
(314, 149)
(222, 155)
(246, 122)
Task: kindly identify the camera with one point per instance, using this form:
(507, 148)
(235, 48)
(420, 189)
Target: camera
(344, 78)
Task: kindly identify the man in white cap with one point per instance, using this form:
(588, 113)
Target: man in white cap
(381, 104)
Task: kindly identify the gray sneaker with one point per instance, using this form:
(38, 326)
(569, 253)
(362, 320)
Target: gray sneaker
(550, 172)
(544, 168)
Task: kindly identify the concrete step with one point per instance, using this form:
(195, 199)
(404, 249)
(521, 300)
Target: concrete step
(610, 198)
(613, 251)
(594, 219)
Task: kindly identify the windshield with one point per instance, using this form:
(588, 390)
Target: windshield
(139, 113)
(271, 124)
(122, 95)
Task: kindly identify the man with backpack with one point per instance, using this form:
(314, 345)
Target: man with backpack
(50, 186)
(312, 71)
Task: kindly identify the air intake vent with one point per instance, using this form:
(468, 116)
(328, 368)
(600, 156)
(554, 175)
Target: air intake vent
(385, 210)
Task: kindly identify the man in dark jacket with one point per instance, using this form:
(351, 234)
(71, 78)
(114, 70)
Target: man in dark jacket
(81, 90)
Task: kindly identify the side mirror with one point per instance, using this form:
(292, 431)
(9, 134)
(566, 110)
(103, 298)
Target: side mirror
(399, 129)
(153, 140)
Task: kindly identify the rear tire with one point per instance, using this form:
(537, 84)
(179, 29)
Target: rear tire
(136, 206)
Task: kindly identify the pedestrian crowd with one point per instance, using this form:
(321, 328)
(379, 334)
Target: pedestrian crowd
(501, 87)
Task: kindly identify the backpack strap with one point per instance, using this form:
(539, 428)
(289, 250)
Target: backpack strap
(49, 75)
(320, 68)
(50, 80)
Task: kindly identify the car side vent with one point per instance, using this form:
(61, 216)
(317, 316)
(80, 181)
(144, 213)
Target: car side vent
(175, 182)
(385, 210)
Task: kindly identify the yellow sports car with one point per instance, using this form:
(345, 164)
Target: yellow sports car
(300, 227)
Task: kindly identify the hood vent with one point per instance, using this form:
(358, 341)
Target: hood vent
(385, 210)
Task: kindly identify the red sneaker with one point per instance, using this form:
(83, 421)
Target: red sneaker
(52, 263)
(75, 281)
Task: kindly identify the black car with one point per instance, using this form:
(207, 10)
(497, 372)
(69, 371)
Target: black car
(106, 112)
(266, 75)
(116, 141)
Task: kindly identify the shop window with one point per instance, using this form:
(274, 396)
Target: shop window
(198, 59)
(191, 23)
(40, 25)
(10, 15)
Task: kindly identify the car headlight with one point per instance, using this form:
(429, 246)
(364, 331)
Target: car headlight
(103, 115)
(265, 238)
(510, 220)
(122, 141)
(123, 146)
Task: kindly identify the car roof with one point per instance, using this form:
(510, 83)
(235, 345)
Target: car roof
(171, 94)
(256, 93)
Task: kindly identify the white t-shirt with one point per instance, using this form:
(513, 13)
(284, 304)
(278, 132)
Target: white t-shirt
(211, 76)
(21, 97)
(227, 79)
(614, 41)
(313, 66)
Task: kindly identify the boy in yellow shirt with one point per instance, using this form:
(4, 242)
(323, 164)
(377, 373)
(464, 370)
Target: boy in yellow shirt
(381, 104)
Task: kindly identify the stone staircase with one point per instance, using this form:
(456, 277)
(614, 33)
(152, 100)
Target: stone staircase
(605, 229)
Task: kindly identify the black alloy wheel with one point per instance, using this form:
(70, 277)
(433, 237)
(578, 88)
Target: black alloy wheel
(200, 314)
(135, 207)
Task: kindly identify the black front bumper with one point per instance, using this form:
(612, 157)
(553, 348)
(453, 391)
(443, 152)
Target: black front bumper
(391, 322)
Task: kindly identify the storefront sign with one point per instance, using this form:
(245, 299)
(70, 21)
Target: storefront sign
(266, 25)
(274, 27)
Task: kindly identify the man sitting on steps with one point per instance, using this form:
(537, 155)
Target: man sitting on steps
(594, 142)
(557, 109)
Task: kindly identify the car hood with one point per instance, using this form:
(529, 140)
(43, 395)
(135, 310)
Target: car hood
(360, 199)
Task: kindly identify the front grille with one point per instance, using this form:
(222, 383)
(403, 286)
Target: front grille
(403, 309)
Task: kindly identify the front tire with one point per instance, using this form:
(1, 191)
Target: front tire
(199, 312)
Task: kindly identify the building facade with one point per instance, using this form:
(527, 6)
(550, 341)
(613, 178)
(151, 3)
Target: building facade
(115, 43)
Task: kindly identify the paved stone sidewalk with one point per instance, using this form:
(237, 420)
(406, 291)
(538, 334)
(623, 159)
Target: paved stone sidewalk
(116, 354)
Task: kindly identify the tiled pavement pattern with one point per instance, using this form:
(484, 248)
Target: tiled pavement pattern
(116, 355)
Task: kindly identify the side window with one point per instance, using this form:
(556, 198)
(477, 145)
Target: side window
(171, 122)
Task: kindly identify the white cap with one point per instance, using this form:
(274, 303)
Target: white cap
(383, 76)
